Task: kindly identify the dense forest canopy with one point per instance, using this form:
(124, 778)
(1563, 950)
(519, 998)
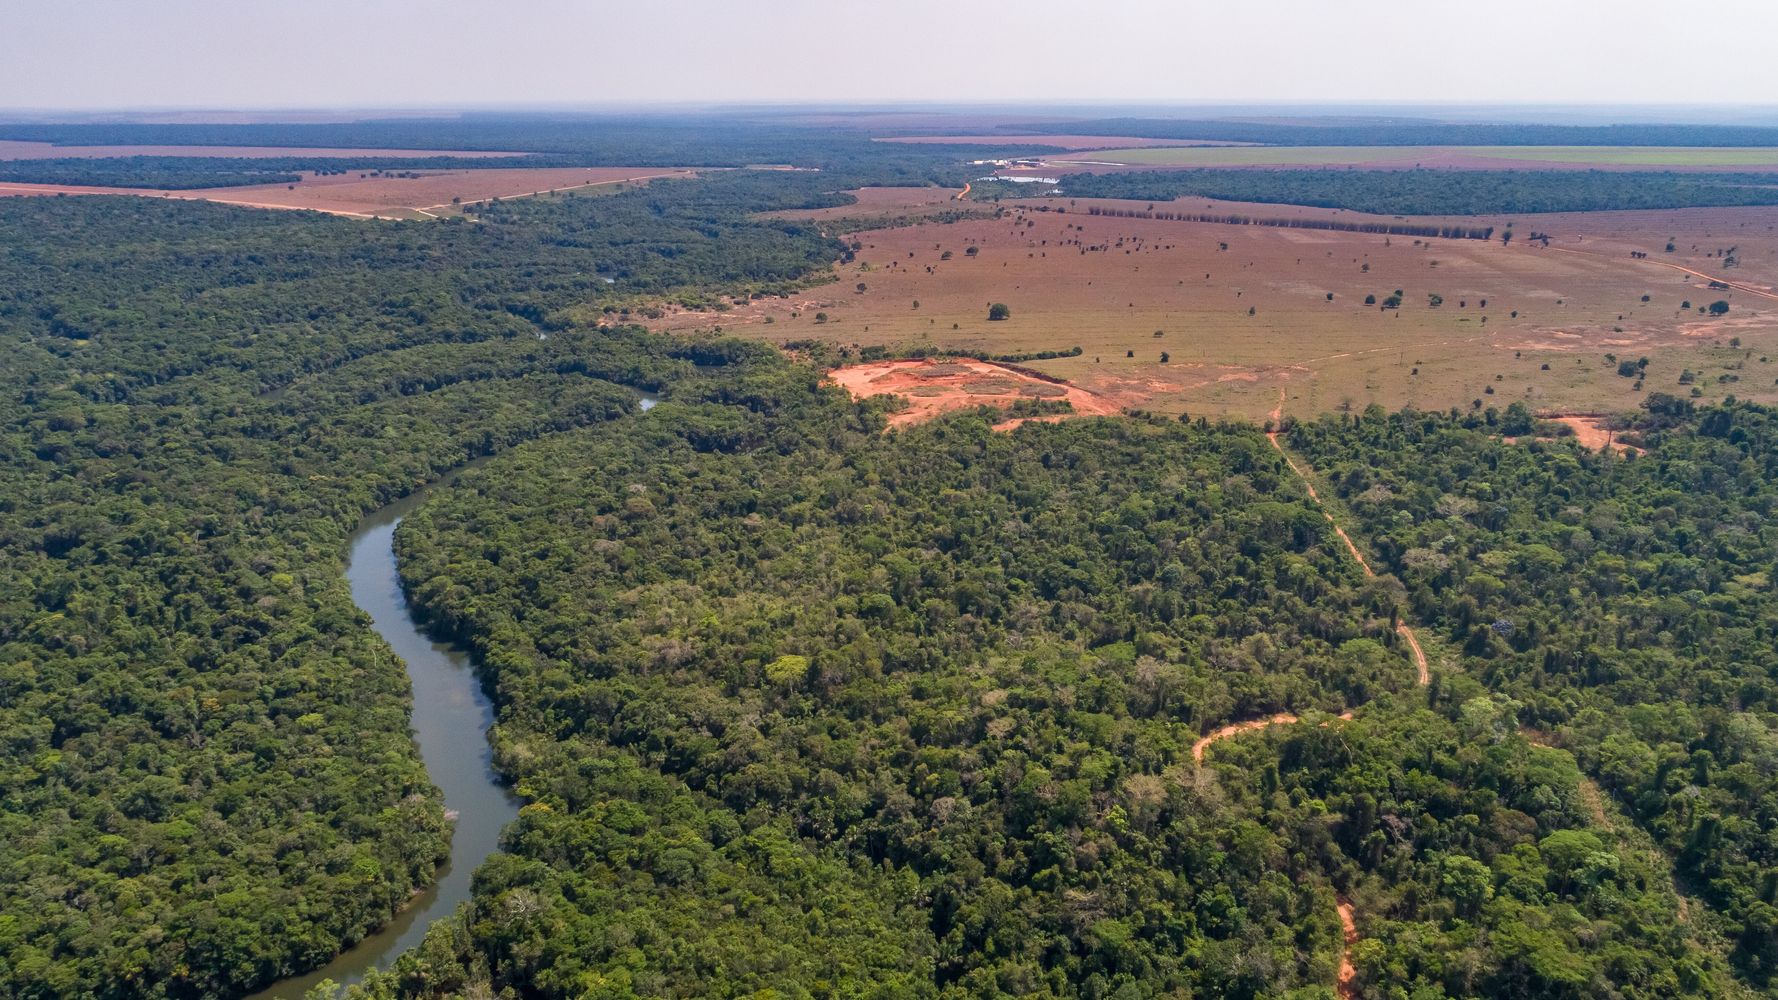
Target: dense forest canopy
(1428, 192)
(801, 708)
(208, 781)
(943, 688)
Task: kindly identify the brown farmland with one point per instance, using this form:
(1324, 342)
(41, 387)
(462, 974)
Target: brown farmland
(1516, 322)
(357, 195)
(1054, 141)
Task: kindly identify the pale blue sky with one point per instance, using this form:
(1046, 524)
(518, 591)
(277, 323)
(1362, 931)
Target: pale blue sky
(387, 53)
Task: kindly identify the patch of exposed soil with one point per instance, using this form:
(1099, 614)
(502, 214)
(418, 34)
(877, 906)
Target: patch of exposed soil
(935, 387)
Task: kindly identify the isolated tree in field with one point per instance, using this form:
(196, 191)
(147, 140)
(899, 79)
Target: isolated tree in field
(1719, 308)
(1165, 357)
(998, 311)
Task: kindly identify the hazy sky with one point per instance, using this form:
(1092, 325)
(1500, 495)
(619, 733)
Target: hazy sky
(383, 53)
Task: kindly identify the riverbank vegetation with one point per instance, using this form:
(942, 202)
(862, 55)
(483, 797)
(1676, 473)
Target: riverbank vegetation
(207, 780)
(800, 707)
(947, 681)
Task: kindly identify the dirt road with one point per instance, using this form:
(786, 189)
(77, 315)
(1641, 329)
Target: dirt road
(1343, 984)
(1401, 628)
(1736, 285)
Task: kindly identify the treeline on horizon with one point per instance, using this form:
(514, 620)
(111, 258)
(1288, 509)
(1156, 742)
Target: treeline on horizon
(1337, 225)
(1434, 192)
(1345, 132)
(179, 173)
(552, 140)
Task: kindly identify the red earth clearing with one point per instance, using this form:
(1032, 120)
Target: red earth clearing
(934, 387)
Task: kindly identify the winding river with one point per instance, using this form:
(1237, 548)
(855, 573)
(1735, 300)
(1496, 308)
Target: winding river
(450, 720)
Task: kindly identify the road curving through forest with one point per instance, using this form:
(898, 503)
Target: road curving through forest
(1345, 982)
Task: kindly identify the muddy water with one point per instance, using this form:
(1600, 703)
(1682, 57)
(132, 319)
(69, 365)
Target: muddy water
(451, 718)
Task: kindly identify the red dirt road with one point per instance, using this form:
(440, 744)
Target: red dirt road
(1343, 985)
(1401, 628)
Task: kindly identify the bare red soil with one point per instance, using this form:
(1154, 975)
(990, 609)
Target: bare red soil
(935, 387)
(1344, 985)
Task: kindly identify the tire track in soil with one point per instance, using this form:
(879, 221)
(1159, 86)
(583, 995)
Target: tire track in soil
(1736, 285)
(1345, 981)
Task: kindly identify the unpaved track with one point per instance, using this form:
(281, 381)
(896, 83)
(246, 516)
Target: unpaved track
(1345, 983)
(1344, 987)
(1736, 285)
(1402, 628)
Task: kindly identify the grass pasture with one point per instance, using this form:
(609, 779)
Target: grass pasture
(1240, 325)
(1432, 156)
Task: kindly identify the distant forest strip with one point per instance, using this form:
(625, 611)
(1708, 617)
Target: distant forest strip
(582, 140)
(1436, 192)
(1422, 133)
(1385, 228)
(183, 173)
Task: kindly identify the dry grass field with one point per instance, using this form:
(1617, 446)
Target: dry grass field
(1217, 318)
(430, 194)
(1155, 156)
(1119, 142)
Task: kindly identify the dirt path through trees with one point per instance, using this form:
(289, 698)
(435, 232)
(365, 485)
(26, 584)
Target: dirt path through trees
(1344, 984)
(1402, 628)
(1348, 974)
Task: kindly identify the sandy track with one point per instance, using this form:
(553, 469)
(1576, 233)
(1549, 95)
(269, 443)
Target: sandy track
(1401, 628)
(1234, 728)
(1237, 728)
(1344, 987)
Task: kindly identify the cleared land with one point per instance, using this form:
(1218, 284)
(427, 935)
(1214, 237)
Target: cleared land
(1054, 141)
(1517, 322)
(429, 194)
(1473, 157)
(17, 149)
(933, 387)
